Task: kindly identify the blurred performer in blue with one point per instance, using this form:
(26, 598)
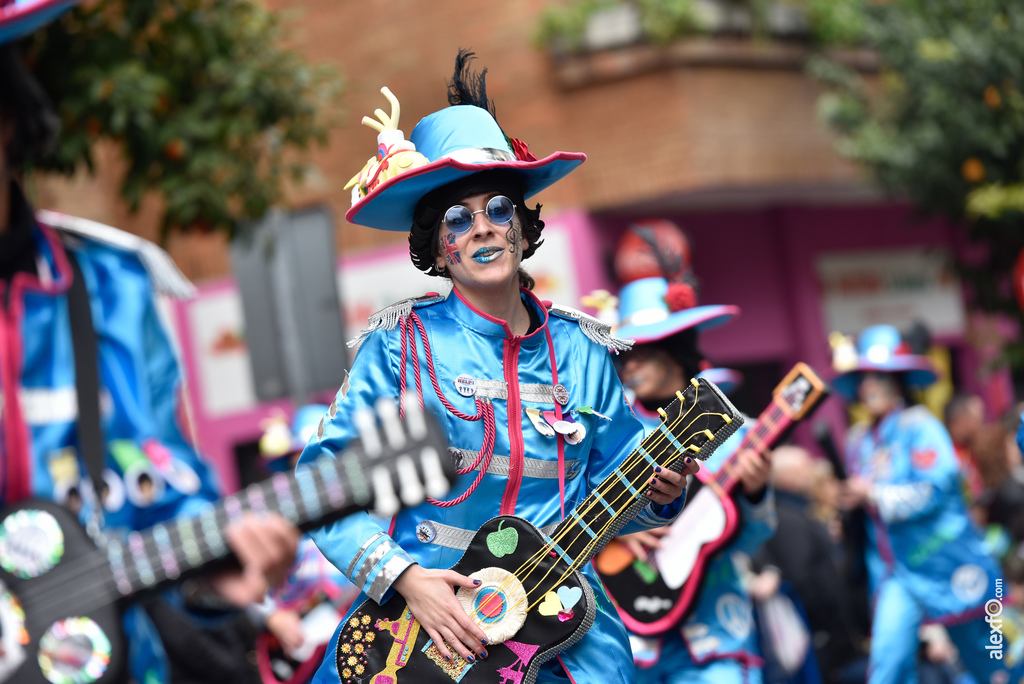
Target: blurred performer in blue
(150, 472)
(490, 359)
(717, 642)
(925, 557)
(301, 613)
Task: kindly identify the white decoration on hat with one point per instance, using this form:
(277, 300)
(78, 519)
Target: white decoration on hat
(878, 353)
(647, 317)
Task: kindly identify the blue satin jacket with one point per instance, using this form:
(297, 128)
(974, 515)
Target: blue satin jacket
(514, 373)
(721, 624)
(918, 530)
(139, 380)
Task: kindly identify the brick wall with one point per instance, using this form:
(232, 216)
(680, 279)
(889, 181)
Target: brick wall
(657, 131)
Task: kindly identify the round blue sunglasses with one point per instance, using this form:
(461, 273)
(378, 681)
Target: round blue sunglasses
(498, 210)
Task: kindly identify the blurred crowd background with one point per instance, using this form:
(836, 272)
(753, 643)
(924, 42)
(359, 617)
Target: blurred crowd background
(835, 164)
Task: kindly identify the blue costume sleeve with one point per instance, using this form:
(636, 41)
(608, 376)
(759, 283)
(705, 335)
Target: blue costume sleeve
(616, 440)
(759, 522)
(930, 476)
(357, 545)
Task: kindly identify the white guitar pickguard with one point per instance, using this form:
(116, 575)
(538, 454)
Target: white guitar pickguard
(702, 521)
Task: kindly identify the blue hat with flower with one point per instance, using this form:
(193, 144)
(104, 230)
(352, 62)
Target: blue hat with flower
(880, 348)
(280, 440)
(444, 147)
(21, 17)
(652, 309)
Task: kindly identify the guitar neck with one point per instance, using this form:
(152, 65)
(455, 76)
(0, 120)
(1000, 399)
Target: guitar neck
(311, 495)
(706, 419)
(771, 425)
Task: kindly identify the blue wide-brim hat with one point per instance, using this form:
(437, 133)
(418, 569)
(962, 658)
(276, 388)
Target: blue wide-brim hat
(882, 349)
(22, 17)
(645, 316)
(456, 142)
(726, 379)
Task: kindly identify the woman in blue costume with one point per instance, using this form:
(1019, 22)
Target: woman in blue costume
(717, 642)
(488, 359)
(926, 560)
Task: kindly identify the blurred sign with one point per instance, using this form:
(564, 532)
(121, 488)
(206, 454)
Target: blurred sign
(223, 370)
(893, 286)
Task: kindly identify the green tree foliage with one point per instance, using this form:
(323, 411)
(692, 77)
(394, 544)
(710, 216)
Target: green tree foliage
(944, 123)
(209, 108)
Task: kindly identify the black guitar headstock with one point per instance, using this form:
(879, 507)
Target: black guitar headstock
(700, 418)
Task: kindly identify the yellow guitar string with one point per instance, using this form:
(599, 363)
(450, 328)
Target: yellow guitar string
(575, 565)
(627, 464)
(545, 550)
(594, 540)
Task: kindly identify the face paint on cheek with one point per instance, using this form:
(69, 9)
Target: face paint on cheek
(451, 252)
(515, 245)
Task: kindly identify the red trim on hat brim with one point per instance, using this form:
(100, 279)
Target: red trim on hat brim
(378, 194)
(13, 14)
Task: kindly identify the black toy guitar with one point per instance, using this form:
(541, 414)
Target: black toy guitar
(61, 596)
(532, 602)
(653, 595)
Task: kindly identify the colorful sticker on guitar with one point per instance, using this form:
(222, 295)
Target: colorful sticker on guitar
(569, 596)
(513, 674)
(456, 668)
(31, 543)
(551, 605)
(404, 631)
(354, 642)
(503, 542)
(74, 651)
(15, 614)
(647, 573)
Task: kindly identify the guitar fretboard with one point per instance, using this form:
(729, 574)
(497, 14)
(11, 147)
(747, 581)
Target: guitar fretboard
(770, 426)
(703, 420)
(314, 493)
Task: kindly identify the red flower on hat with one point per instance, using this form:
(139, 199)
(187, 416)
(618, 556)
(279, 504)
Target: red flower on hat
(522, 150)
(680, 296)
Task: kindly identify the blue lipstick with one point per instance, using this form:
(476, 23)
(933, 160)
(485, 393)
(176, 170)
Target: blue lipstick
(486, 255)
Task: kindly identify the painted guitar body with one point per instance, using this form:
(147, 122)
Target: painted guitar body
(385, 645)
(654, 594)
(660, 593)
(63, 619)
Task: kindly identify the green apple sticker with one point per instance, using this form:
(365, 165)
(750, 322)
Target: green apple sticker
(503, 541)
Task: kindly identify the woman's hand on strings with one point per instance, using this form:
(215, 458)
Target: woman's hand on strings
(430, 595)
(665, 486)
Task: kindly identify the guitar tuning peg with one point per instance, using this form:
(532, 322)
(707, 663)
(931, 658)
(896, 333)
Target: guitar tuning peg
(414, 421)
(410, 489)
(385, 502)
(434, 480)
(391, 423)
(366, 426)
